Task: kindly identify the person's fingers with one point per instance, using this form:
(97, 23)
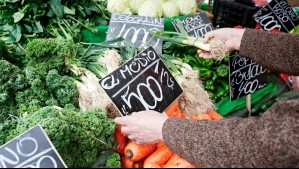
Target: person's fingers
(123, 121)
(208, 36)
(205, 55)
(131, 137)
(126, 130)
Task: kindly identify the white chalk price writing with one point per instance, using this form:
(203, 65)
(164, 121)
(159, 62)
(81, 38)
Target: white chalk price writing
(141, 84)
(246, 77)
(30, 150)
(136, 29)
(277, 15)
(196, 26)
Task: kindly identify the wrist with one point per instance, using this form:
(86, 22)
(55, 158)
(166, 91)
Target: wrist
(238, 39)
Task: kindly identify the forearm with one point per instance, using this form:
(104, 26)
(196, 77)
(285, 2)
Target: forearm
(250, 142)
(278, 52)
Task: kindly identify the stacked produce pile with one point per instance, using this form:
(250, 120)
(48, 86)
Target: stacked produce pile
(153, 8)
(155, 155)
(49, 77)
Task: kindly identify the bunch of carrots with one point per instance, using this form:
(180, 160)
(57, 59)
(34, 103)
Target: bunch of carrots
(157, 155)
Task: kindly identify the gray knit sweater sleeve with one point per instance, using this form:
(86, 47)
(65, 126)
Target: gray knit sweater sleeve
(278, 52)
(269, 141)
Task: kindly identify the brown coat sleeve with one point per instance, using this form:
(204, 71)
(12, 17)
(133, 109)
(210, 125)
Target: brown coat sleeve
(278, 52)
(271, 140)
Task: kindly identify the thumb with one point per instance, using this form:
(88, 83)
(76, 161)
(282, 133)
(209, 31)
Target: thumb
(120, 121)
(208, 36)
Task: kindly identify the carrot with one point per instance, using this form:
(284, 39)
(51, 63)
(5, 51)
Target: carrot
(137, 164)
(152, 165)
(183, 115)
(160, 144)
(121, 141)
(136, 152)
(126, 163)
(173, 110)
(214, 115)
(178, 162)
(159, 157)
(201, 117)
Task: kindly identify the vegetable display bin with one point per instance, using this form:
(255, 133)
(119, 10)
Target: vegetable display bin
(229, 13)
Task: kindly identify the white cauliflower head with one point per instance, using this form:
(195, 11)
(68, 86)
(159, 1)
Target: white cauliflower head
(186, 7)
(161, 2)
(135, 5)
(150, 8)
(170, 9)
(119, 6)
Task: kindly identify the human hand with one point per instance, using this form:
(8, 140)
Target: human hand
(295, 82)
(231, 36)
(144, 127)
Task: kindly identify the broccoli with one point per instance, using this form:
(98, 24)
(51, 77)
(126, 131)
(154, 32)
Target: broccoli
(78, 136)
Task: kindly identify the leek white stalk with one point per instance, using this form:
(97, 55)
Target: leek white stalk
(215, 46)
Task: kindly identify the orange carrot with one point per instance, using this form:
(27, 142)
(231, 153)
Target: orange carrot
(201, 117)
(121, 140)
(183, 115)
(136, 152)
(151, 165)
(178, 162)
(159, 157)
(160, 144)
(173, 110)
(126, 163)
(214, 115)
(137, 164)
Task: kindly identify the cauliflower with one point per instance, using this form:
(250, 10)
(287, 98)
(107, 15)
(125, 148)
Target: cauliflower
(135, 5)
(170, 9)
(186, 7)
(150, 8)
(161, 2)
(119, 6)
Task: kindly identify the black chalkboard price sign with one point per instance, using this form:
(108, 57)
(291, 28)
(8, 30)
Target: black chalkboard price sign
(195, 26)
(143, 83)
(277, 14)
(245, 77)
(32, 149)
(136, 29)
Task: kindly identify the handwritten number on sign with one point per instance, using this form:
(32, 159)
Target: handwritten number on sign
(268, 22)
(39, 163)
(127, 97)
(19, 153)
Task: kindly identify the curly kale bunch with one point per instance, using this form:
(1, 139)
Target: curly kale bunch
(7, 131)
(47, 54)
(12, 80)
(78, 136)
(51, 90)
(63, 88)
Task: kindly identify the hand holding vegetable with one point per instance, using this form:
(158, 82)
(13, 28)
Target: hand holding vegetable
(143, 127)
(231, 36)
